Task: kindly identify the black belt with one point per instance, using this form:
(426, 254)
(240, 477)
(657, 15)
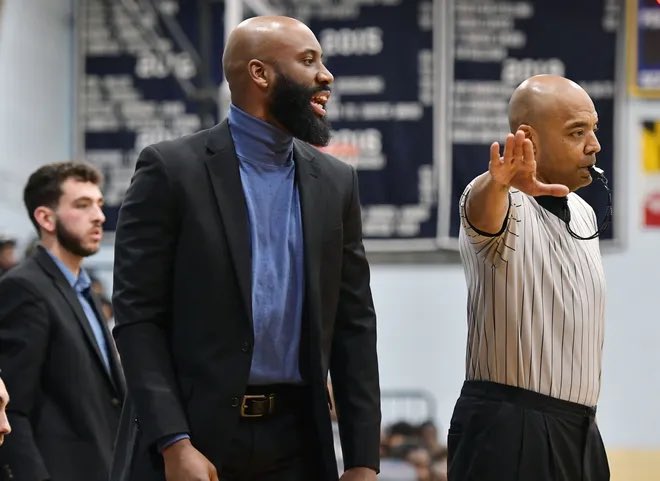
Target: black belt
(269, 400)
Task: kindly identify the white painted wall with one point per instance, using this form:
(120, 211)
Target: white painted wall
(421, 308)
(629, 412)
(36, 96)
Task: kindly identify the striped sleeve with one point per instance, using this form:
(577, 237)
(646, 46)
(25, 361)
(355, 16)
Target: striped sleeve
(494, 248)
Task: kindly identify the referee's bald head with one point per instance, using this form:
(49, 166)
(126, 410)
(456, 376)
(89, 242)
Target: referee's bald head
(533, 97)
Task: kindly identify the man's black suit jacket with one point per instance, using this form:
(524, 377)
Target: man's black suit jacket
(65, 406)
(182, 303)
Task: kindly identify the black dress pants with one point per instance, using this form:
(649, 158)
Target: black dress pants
(504, 433)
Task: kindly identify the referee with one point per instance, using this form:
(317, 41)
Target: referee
(536, 298)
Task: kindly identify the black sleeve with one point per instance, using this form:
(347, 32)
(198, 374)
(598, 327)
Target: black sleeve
(146, 237)
(24, 337)
(354, 363)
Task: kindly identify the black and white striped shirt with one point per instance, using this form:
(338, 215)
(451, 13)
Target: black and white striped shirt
(536, 300)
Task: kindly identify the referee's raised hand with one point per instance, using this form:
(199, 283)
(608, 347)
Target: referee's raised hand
(487, 203)
(517, 167)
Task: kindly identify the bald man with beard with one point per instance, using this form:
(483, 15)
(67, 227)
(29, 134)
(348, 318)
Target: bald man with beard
(536, 298)
(241, 281)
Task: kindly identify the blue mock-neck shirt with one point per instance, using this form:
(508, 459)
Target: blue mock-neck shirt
(267, 170)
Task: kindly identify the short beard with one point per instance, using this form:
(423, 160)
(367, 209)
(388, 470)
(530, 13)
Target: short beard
(70, 242)
(290, 106)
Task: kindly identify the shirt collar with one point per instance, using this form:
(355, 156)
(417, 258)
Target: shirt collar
(556, 205)
(258, 141)
(80, 283)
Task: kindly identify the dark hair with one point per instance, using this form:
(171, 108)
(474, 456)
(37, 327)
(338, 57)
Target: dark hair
(403, 428)
(7, 241)
(44, 187)
(427, 424)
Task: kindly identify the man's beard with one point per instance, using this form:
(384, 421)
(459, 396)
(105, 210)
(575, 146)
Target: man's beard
(71, 242)
(290, 106)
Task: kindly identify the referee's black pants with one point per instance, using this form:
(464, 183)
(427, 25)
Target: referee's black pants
(504, 433)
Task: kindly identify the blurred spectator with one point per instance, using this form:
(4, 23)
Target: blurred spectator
(399, 433)
(429, 435)
(419, 457)
(439, 468)
(407, 448)
(7, 254)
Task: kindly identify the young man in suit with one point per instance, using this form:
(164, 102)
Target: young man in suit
(241, 280)
(56, 355)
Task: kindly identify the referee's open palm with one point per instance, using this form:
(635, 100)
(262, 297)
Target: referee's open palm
(517, 167)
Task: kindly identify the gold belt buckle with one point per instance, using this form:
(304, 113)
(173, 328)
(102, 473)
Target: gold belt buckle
(256, 397)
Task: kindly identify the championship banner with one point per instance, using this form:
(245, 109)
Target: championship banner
(148, 72)
(384, 111)
(498, 44)
(151, 71)
(643, 38)
(142, 82)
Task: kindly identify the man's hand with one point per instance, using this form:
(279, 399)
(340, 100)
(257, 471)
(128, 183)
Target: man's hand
(517, 167)
(488, 202)
(358, 474)
(184, 463)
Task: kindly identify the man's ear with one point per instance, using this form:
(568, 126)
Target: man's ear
(45, 217)
(530, 134)
(259, 73)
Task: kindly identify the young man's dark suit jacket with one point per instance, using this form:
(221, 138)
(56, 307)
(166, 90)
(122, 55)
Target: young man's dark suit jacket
(183, 303)
(65, 406)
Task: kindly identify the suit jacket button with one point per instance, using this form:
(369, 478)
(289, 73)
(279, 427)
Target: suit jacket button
(115, 402)
(245, 347)
(235, 402)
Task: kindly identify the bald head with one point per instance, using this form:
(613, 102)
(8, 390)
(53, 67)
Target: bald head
(560, 120)
(536, 97)
(259, 38)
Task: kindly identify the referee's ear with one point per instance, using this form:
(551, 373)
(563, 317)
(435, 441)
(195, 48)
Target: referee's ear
(530, 134)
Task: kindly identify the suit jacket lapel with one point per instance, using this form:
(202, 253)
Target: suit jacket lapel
(116, 375)
(312, 205)
(222, 166)
(71, 297)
